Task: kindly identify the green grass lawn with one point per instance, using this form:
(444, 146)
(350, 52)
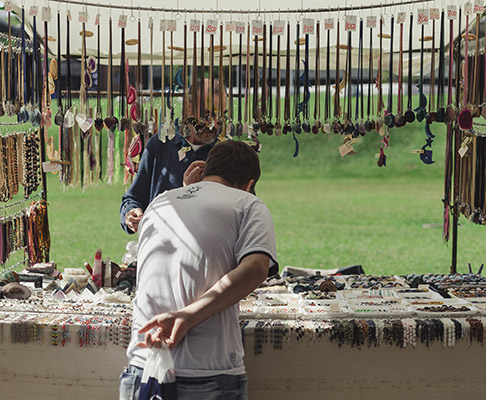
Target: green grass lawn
(329, 211)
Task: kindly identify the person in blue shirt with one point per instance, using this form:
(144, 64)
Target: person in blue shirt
(163, 165)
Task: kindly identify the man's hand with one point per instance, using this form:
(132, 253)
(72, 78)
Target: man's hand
(193, 172)
(171, 328)
(133, 217)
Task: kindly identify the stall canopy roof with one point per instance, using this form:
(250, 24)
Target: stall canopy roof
(208, 9)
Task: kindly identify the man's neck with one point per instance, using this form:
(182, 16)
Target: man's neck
(216, 179)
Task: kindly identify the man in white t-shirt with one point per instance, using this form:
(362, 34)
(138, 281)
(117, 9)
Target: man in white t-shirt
(202, 248)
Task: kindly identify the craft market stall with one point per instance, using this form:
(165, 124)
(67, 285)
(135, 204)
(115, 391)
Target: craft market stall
(118, 75)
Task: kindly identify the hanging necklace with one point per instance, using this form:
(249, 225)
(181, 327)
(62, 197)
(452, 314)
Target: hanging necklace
(432, 115)
(440, 116)
(220, 120)
(186, 128)
(317, 97)
(98, 122)
(305, 107)
(348, 123)
(247, 81)
(399, 118)
(420, 115)
(337, 127)
(278, 126)
(327, 101)
(389, 119)
(172, 130)
(359, 127)
(380, 105)
(465, 116)
(193, 118)
(269, 93)
(287, 127)
(255, 125)
(409, 114)
(239, 125)
(263, 109)
(230, 127)
(369, 124)
(297, 105)
(152, 123)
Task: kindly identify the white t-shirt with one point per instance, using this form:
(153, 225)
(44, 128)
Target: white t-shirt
(188, 239)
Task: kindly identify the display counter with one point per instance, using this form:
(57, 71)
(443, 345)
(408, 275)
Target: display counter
(365, 348)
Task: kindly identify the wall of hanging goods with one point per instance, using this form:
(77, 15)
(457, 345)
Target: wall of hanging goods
(121, 73)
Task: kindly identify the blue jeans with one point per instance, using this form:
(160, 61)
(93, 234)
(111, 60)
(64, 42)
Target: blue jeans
(218, 387)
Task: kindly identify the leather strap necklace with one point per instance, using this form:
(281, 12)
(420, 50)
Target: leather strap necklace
(337, 107)
(194, 115)
(287, 127)
(465, 116)
(305, 106)
(475, 83)
(369, 124)
(152, 122)
(440, 117)
(269, 83)
(327, 100)
(221, 110)
(348, 118)
(172, 130)
(409, 114)
(211, 78)
(256, 125)
(202, 90)
(317, 97)
(186, 129)
(247, 80)
(297, 123)
(389, 119)
(58, 119)
(239, 125)
(431, 116)
(399, 118)
(359, 127)
(380, 105)
(263, 110)
(98, 122)
(420, 114)
(230, 129)
(278, 126)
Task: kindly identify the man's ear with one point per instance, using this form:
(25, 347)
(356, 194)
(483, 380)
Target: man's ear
(248, 187)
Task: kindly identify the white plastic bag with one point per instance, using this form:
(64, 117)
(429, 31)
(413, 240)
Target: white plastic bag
(158, 379)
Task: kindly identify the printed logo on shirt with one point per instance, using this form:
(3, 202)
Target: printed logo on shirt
(190, 193)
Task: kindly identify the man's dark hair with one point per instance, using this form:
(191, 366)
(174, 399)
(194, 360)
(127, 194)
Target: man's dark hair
(236, 162)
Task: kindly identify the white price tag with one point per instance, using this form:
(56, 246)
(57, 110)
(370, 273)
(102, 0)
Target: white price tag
(195, 25)
(434, 13)
(211, 26)
(171, 25)
(451, 12)
(122, 21)
(34, 11)
(423, 16)
(150, 23)
(401, 17)
(371, 21)
(230, 26)
(468, 8)
(329, 24)
(7, 5)
(46, 14)
(83, 17)
(97, 19)
(463, 150)
(68, 14)
(278, 28)
(308, 26)
(256, 27)
(478, 7)
(163, 25)
(350, 23)
(240, 28)
(48, 166)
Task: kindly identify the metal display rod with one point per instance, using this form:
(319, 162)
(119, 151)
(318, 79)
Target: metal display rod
(259, 11)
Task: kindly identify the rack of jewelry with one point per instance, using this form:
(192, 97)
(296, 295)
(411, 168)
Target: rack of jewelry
(23, 217)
